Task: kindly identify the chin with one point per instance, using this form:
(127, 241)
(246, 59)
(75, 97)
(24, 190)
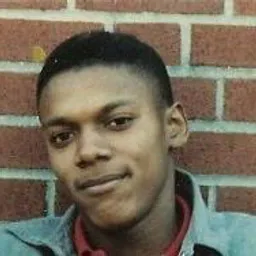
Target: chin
(116, 223)
(113, 221)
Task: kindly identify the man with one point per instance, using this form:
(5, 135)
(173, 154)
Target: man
(110, 123)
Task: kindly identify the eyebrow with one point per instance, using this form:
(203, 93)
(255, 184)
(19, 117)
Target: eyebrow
(62, 121)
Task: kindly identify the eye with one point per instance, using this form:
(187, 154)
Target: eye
(119, 123)
(61, 139)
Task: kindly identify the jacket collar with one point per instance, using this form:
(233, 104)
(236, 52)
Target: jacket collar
(199, 238)
(51, 232)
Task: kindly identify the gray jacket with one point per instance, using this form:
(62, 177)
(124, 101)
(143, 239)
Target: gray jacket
(209, 233)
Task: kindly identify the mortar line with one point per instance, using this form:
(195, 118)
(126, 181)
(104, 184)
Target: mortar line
(105, 17)
(20, 67)
(185, 44)
(223, 127)
(229, 8)
(226, 180)
(71, 4)
(212, 198)
(109, 27)
(50, 196)
(27, 174)
(211, 72)
(20, 121)
(220, 98)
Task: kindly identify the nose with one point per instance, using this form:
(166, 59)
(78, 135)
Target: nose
(91, 147)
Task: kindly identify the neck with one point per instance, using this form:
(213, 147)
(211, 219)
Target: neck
(151, 236)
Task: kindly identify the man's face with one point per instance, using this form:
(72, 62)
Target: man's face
(106, 142)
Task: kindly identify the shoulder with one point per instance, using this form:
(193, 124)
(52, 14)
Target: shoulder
(243, 233)
(37, 225)
(17, 237)
(240, 228)
(235, 222)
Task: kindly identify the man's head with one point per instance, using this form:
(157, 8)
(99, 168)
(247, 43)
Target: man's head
(103, 48)
(109, 121)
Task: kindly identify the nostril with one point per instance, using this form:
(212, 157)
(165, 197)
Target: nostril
(84, 164)
(103, 157)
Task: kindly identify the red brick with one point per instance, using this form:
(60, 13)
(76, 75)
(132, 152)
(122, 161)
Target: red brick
(196, 95)
(218, 45)
(240, 102)
(46, 34)
(33, 4)
(237, 199)
(17, 93)
(165, 38)
(63, 200)
(210, 153)
(21, 199)
(22, 148)
(245, 7)
(162, 6)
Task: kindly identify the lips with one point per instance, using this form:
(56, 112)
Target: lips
(100, 181)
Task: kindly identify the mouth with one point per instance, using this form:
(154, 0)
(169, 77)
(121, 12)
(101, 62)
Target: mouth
(101, 185)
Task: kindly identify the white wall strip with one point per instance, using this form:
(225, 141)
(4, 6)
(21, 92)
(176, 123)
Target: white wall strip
(27, 174)
(212, 198)
(71, 4)
(222, 127)
(184, 19)
(119, 17)
(212, 72)
(20, 67)
(50, 197)
(20, 121)
(64, 15)
(220, 99)
(109, 27)
(229, 8)
(226, 180)
(185, 44)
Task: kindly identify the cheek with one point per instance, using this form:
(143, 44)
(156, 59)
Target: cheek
(151, 156)
(139, 140)
(146, 147)
(61, 163)
(146, 152)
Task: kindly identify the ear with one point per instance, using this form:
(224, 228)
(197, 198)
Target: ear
(176, 126)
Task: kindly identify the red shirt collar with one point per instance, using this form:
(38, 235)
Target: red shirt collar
(82, 246)
(184, 214)
(84, 249)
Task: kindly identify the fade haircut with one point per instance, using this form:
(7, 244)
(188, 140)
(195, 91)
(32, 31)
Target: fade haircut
(109, 49)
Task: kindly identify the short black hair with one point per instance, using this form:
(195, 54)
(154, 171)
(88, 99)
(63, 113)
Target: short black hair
(105, 48)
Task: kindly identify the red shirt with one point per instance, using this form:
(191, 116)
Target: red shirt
(84, 249)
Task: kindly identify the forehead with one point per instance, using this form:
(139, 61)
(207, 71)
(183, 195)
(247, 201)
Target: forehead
(93, 87)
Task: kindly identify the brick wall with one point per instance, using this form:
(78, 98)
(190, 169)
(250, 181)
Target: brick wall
(210, 52)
